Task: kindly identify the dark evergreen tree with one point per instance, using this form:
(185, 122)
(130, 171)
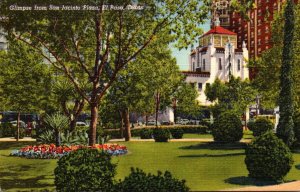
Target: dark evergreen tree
(286, 104)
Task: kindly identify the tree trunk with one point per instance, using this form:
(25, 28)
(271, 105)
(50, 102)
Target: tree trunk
(18, 126)
(175, 113)
(157, 103)
(57, 138)
(93, 124)
(147, 117)
(127, 125)
(121, 125)
(73, 124)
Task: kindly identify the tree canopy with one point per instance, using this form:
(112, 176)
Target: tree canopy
(102, 42)
(235, 95)
(25, 81)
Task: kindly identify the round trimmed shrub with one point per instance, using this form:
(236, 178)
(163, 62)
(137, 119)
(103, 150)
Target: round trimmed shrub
(261, 126)
(177, 133)
(268, 158)
(161, 135)
(85, 170)
(139, 181)
(227, 128)
(146, 133)
(251, 125)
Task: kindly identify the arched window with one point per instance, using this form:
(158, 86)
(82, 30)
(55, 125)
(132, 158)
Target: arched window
(239, 65)
(203, 64)
(220, 63)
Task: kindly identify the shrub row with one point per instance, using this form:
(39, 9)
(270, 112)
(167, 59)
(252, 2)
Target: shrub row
(92, 170)
(142, 132)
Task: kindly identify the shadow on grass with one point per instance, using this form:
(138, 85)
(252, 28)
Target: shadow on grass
(34, 182)
(4, 145)
(216, 146)
(297, 166)
(243, 180)
(212, 155)
(20, 168)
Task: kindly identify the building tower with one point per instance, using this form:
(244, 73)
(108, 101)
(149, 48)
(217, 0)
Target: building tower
(217, 56)
(220, 10)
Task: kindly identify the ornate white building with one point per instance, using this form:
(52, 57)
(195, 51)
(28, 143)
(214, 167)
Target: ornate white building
(216, 56)
(3, 41)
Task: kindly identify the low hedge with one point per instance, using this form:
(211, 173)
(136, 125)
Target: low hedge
(177, 133)
(261, 126)
(161, 135)
(146, 133)
(136, 132)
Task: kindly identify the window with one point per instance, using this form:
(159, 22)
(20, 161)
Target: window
(267, 29)
(193, 67)
(259, 22)
(259, 42)
(266, 40)
(239, 65)
(259, 32)
(199, 86)
(259, 12)
(203, 64)
(220, 64)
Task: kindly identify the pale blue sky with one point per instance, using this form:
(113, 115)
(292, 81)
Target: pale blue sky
(182, 56)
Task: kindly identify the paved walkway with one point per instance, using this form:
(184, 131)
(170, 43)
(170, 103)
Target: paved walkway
(13, 139)
(134, 140)
(291, 186)
(177, 140)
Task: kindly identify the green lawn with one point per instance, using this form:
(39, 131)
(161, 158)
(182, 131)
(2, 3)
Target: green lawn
(204, 166)
(197, 136)
(247, 135)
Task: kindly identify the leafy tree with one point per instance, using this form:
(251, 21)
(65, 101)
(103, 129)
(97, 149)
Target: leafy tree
(100, 43)
(285, 128)
(146, 85)
(185, 100)
(25, 80)
(235, 95)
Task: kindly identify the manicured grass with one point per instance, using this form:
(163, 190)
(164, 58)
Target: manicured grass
(247, 135)
(205, 166)
(197, 136)
(17, 174)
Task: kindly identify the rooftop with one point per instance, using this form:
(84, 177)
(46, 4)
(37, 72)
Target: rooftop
(219, 30)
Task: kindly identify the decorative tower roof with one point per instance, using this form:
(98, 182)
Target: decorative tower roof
(219, 30)
(218, 36)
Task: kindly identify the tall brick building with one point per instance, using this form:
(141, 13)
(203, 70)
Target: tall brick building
(255, 32)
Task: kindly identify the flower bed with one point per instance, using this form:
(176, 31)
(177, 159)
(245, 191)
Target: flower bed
(52, 152)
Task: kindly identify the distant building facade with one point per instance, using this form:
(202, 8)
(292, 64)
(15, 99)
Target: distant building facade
(255, 32)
